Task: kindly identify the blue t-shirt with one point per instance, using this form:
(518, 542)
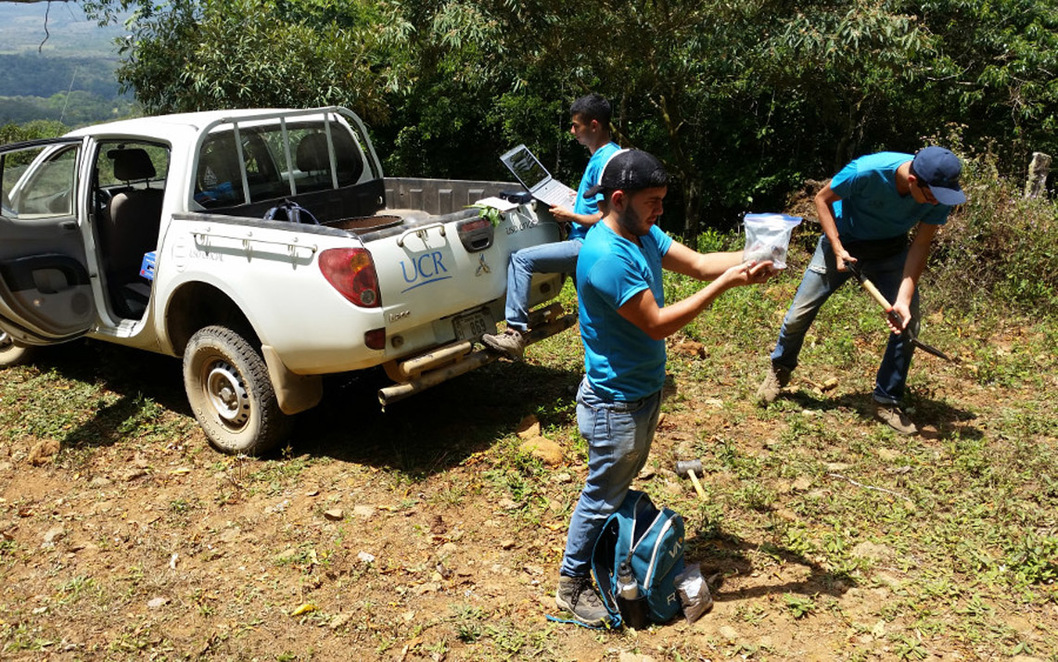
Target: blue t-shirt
(870, 207)
(590, 178)
(622, 362)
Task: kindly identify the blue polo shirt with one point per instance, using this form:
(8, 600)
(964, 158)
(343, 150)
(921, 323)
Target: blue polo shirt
(870, 207)
(590, 178)
(621, 361)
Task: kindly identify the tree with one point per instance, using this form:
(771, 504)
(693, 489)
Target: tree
(34, 130)
(996, 72)
(249, 53)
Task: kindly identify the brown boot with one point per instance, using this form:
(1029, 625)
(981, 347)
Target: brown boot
(577, 596)
(894, 417)
(774, 381)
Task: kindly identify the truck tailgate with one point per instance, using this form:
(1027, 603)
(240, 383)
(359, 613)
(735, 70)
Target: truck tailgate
(446, 266)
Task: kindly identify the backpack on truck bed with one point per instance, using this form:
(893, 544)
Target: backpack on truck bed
(651, 541)
(288, 210)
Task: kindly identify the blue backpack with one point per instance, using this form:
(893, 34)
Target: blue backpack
(651, 540)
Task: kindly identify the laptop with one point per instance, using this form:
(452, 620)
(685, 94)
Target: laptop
(535, 177)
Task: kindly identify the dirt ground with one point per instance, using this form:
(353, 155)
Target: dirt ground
(425, 532)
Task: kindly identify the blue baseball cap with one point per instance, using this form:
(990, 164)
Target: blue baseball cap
(939, 169)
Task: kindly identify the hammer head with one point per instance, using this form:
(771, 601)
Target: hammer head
(683, 467)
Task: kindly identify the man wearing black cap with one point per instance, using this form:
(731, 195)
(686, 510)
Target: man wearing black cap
(623, 323)
(867, 211)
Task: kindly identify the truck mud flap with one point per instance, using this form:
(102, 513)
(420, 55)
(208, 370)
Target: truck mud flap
(426, 370)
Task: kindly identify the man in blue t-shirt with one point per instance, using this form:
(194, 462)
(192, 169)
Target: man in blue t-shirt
(623, 323)
(866, 212)
(591, 127)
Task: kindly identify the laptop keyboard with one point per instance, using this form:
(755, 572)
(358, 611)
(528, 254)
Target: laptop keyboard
(556, 196)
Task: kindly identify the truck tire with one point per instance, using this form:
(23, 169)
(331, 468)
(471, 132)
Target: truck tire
(12, 354)
(229, 390)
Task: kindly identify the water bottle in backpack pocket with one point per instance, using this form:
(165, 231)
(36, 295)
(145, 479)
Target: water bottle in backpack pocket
(631, 603)
(651, 542)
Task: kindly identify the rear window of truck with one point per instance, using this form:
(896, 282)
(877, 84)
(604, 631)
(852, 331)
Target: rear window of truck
(277, 164)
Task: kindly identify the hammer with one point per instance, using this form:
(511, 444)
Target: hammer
(690, 468)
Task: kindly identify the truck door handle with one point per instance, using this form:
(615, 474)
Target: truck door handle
(68, 226)
(420, 232)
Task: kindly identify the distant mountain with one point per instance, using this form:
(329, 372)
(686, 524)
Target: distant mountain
(57, 64)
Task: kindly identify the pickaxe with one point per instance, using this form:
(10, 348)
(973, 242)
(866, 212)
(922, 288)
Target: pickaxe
(893, 316)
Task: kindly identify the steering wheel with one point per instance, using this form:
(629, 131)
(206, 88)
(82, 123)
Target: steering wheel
(102, 200)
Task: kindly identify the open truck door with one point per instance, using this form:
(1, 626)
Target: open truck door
(45, 289)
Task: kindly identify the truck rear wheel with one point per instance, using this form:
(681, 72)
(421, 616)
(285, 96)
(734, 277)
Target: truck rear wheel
(12, 354)
(229, 390)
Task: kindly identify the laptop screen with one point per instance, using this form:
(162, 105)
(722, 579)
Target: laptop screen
(525, 167)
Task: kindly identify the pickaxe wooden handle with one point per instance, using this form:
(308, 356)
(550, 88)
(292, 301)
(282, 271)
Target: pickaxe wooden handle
(893, 316)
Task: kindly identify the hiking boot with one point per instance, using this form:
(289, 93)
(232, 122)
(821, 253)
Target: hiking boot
(895, 418)
(577, 596)
(510, 343)
(770, 388)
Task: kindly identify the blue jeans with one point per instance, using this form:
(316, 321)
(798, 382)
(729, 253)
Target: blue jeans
(619, 435)
(822, 279)
(551, 258)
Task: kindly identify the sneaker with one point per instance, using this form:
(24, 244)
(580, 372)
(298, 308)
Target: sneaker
(511, 343)
(770, 388)
(894, 417)
(577, 596)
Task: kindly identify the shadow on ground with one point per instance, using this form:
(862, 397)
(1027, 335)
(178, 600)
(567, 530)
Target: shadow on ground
(724, 556)
(949, 421)
(435, 429)
(422, 435)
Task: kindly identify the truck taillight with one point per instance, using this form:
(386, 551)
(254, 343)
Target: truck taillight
(351, 271)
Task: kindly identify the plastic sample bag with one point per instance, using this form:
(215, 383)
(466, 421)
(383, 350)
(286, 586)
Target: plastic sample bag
(694, 593)
(768, 237)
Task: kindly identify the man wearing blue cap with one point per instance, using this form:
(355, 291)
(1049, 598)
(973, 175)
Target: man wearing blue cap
(867, 211)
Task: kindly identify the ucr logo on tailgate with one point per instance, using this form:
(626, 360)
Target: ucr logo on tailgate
(423, 270)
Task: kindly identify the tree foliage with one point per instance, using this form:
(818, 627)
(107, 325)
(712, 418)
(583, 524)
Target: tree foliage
(249, 53)
(33, 130)
(996, 72)
(742, 100)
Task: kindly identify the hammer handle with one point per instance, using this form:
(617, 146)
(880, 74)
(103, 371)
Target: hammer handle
(697, 485)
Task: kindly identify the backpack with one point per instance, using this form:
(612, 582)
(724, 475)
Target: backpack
(651, 540)
(288, 210)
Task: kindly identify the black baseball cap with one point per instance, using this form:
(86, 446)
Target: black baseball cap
(629, 170)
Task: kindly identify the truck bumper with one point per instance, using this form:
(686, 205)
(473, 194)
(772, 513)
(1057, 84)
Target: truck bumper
(419, 373)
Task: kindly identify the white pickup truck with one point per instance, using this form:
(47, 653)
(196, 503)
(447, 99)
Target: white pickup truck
(150, 233)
